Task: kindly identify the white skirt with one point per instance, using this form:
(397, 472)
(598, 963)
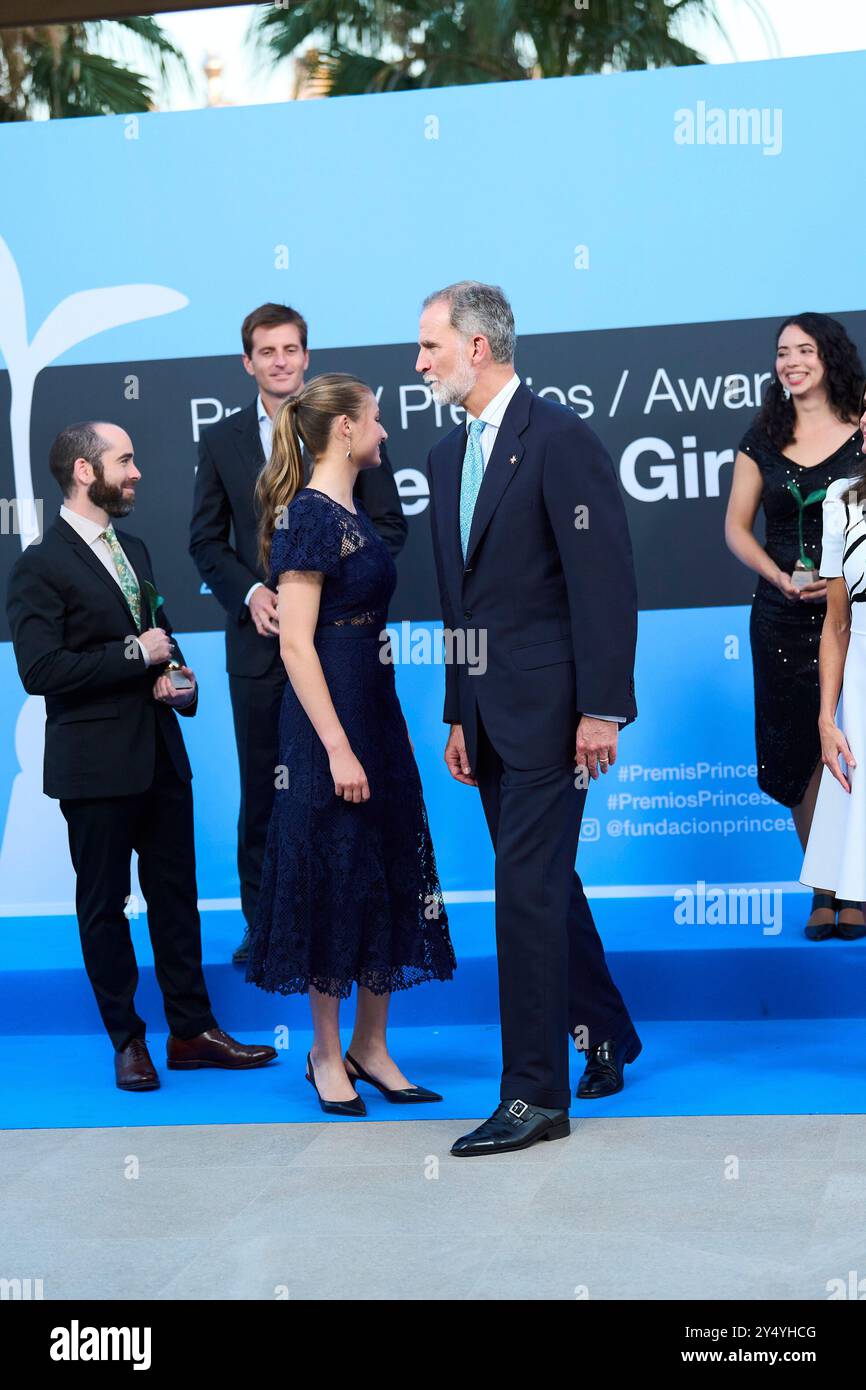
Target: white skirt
(836, 851)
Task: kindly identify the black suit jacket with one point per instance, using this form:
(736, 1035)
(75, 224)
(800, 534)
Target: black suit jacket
(555, 601)
(71, 627)
(224, 529)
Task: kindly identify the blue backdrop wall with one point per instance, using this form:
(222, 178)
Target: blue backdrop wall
(650, 230)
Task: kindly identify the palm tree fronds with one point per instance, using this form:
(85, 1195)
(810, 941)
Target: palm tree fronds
(88, 84)
(55, 68)
(377, 45)
(149, 38)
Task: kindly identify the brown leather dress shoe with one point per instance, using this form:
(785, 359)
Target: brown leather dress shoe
(133, 1069)
(216, 1049)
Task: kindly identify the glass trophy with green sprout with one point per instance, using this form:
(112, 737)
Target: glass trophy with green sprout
(805, 569)
(154, 603)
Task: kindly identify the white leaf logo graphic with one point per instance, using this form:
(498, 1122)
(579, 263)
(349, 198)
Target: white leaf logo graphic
(75, 319)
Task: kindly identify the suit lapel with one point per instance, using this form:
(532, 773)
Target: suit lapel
(86, 555)
(247, 437)
(452, 467)
(249, 441)
(501, 468)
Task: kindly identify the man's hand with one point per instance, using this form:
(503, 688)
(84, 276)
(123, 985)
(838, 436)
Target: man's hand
(596, 744)
(164, 691)
(157, 644)
(263, 610)
(456, 759)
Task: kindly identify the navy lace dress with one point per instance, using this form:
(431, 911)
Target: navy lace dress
(350, 892)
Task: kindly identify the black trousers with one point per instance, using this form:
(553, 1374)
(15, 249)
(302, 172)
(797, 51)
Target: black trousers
(158, 825)
(256, 702)
(553, 976)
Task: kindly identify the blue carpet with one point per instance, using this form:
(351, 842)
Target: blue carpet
(755, 1067)
(735, 1020)
(664, 970)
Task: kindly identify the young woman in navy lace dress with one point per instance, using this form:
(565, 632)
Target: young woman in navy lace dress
(350, 892)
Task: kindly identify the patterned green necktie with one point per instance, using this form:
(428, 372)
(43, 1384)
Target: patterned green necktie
(126, 575)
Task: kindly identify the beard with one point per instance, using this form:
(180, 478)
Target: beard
(453, 389)
(109, 496)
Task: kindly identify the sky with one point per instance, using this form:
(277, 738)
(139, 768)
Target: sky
(797, 31)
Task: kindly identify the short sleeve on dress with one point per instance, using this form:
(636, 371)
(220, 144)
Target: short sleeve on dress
(748, 441)
(309, 538)
(834, 510)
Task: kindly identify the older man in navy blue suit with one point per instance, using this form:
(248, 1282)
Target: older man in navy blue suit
(533, 559)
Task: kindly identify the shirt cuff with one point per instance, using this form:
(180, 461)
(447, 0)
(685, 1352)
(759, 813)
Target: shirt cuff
(611, 718)
(258, 585)
(143, 652)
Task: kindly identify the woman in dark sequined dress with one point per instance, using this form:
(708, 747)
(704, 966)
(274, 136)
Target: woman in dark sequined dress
(803, 439)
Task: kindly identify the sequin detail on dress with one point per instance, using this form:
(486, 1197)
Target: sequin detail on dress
(785, 634)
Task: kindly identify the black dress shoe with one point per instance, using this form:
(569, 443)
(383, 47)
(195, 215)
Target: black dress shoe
(133, 1069)
(514, 1125)
(241, 954)
(602, 1075)
(335, 1107)
(408, 1095)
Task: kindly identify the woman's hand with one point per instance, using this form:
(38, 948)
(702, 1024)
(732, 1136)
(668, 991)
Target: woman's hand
(785, 584)
(350, 779)
(833, 746)
(814, 593)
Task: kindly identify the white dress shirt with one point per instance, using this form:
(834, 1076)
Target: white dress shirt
(266, 427)
(492, 416)
(91, 533)
(266, 435)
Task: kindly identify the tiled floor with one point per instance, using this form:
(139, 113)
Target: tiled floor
(719, 1207)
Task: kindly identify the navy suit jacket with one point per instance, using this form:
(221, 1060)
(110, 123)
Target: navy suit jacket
(549, 587)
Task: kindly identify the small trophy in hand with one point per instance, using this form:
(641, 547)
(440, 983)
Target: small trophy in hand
(805, 570)
(154, 602)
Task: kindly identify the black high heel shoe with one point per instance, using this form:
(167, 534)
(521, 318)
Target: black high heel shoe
(409, 1095)
(335, 1107)
(849, 931)
(822, 931)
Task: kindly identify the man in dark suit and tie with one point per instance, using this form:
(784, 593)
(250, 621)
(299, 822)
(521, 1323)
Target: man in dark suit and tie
(532, 553)
(224, 546)
(89, 636)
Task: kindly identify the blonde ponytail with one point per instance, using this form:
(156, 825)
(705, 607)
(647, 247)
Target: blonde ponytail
(306, 418)
(281, 477)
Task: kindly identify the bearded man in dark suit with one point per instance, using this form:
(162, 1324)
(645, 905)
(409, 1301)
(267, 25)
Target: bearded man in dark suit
(86, 638)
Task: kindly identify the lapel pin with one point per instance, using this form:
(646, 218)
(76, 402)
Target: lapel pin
(513, 458)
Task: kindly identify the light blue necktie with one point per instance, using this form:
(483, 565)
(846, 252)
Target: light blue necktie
(470, 481)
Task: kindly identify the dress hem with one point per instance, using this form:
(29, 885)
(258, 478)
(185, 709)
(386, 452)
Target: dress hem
(300, 984)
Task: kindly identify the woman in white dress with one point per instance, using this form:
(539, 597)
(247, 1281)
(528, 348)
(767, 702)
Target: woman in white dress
(836, 851)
